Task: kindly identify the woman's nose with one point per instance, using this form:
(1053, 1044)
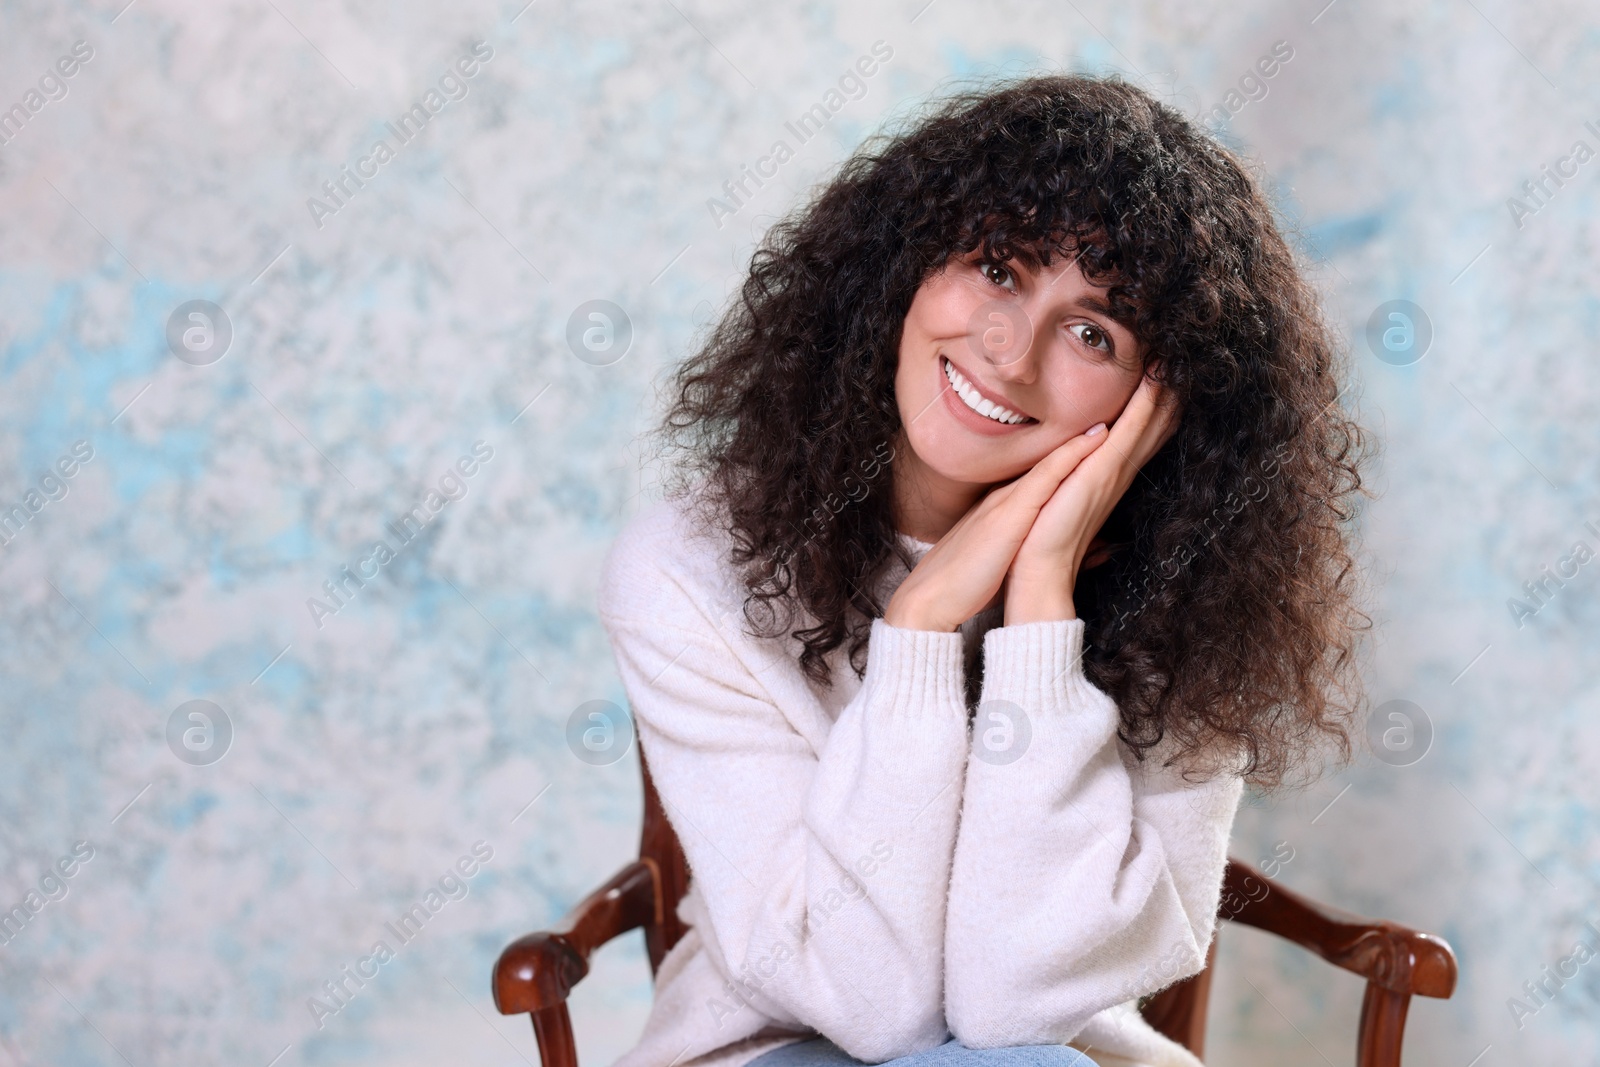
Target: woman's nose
(1008, 340)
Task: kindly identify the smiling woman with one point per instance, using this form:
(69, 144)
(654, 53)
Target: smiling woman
(1066, 314)
(1021, 396)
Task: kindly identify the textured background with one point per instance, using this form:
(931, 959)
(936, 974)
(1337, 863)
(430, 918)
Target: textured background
(370, 752)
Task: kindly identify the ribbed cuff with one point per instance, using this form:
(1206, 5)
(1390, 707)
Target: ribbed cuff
(915, 673)
(1036, 665)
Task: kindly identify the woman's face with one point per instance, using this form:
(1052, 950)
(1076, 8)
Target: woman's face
(1000, 364)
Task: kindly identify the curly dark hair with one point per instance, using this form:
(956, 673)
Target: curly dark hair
(1224, 621)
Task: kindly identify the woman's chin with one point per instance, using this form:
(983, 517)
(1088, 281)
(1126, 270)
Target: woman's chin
(976, 470)
(953, 455)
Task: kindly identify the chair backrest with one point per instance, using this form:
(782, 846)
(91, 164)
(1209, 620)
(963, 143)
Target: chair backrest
(658, 844)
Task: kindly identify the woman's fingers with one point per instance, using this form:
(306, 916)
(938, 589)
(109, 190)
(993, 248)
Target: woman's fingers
(1035, 488)
(969, 564)
(1149, 420)
(1005, 514)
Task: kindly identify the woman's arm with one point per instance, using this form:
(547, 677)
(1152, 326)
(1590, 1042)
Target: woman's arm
(1080, 881)
(824, 879)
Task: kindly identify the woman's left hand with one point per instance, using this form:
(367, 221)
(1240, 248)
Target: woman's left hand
(1042, 577)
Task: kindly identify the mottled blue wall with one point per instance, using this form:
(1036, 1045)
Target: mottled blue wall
(381, 335)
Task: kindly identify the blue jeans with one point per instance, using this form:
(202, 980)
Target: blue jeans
(820, 1052)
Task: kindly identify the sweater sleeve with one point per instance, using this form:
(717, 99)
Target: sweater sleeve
(822, 878)
(1081, 880)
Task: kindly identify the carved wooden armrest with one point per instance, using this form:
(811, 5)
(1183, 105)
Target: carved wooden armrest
(1395, 957)
(1397, 961)
(537, 972)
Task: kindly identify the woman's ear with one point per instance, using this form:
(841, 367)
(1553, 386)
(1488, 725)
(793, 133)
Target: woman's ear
(1172, 412)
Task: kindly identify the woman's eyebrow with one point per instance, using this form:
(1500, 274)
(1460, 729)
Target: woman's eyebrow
(1097, 304)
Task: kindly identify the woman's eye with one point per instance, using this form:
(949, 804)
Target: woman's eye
(1092, 335)
(989, 270)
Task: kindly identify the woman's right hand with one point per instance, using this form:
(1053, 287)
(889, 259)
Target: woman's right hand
(964, 570)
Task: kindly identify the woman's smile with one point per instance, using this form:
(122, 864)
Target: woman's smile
(973, 416)
(995, 413)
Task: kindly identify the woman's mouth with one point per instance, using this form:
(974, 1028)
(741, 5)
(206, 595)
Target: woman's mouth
(971, 399)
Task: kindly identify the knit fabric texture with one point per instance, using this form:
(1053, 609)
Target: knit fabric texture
(879, 864)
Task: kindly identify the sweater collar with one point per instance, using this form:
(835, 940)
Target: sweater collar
(918, 549)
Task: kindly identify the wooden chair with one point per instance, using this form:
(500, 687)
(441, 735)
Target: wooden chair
(536, 973)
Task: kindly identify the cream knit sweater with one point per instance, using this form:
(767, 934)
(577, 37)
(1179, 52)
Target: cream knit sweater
(866, 866)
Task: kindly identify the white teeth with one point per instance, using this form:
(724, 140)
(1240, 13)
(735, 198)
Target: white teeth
(976, 401)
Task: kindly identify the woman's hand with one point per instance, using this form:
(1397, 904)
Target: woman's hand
(1045, 569)
(963, 571)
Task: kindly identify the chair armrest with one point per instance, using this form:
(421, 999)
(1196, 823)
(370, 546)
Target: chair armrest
(1387, 954)
(538, 971)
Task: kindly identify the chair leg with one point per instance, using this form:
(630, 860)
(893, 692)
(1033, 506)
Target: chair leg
(553, 1028)
(1383, 1027)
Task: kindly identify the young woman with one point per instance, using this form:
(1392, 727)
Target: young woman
(1010, 544)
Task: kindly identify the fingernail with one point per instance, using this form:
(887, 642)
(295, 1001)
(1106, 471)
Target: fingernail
(1095, 430)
